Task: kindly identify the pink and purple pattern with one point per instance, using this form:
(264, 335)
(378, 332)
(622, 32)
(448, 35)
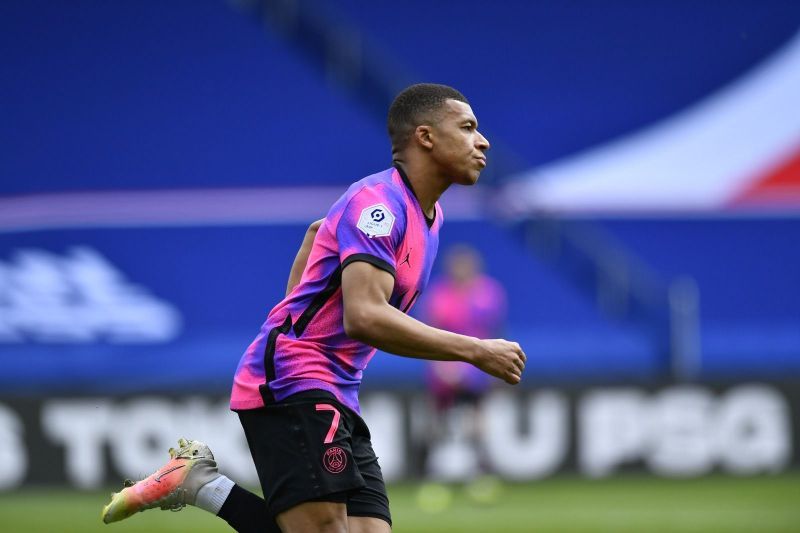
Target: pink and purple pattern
(477, 309)
(302, 345)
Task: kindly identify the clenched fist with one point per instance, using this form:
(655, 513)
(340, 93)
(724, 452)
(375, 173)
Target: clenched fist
(502, 359)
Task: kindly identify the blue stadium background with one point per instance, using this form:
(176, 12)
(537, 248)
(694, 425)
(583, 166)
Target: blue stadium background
(200, 95)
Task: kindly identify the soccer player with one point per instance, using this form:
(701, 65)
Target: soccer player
(296, 387)
(464, 300)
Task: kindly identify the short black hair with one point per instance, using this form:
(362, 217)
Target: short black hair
(414, 106)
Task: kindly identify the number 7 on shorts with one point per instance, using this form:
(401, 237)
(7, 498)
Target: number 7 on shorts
(334, 422)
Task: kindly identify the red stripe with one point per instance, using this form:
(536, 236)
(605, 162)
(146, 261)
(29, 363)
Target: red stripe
(780, 187)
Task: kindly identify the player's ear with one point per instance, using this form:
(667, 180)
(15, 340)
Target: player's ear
(423, 136)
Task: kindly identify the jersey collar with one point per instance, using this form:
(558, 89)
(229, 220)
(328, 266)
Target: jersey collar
(405, 179)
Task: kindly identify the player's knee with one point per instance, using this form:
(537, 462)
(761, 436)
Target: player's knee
(362, 524)
(323, 517)
(329, 524)
(321, 524)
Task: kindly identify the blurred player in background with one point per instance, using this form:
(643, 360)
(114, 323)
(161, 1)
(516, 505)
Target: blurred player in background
(464, 300)
(296, 388)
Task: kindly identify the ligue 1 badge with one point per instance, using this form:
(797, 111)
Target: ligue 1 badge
(334, 460)
(376, 221)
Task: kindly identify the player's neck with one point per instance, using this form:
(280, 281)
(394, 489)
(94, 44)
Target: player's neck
(427, 186)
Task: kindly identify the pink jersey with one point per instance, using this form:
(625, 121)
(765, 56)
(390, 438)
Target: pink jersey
(477, 309)
(302, 345)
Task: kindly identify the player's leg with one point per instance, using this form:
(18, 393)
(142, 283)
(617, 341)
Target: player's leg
(302, 451)
(365, 524)
(191, 478)
(322, 517)
(246, 512)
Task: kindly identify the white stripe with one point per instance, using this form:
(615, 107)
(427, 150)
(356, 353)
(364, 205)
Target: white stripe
(697, 160)
(192, 207)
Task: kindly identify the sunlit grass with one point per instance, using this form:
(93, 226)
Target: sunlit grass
(562, 504)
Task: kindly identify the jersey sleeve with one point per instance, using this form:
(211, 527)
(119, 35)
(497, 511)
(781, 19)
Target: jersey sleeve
(371, 229)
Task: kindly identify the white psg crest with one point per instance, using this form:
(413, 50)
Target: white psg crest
(376, 221)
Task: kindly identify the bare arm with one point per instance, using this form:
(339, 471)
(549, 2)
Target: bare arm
(369, 318)
(301, 258)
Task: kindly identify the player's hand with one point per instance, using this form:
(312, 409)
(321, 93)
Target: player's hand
(502, 359)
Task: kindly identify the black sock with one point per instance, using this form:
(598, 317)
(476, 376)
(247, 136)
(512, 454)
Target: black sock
(245, 512)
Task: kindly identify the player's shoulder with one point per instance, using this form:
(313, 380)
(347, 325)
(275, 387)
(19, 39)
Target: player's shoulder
(380, 184)
(378, 189)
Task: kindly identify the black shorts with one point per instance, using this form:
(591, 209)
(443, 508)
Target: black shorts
(310, 447)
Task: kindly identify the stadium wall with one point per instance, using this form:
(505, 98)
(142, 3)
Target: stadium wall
(688, 431)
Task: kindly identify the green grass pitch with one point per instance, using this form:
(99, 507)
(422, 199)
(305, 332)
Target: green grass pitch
(634, 503)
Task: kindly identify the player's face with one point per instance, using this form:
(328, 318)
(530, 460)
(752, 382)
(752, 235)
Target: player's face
(459, 148)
